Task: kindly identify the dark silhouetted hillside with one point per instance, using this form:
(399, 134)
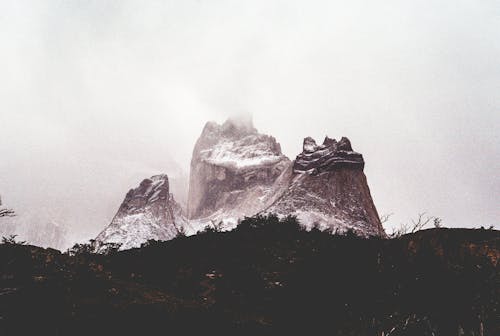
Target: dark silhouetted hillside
(265, 278)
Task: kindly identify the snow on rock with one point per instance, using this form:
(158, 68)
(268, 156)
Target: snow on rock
(243, 153)
(149, 212)
(234, 169)
(328, 190)
(237, 172)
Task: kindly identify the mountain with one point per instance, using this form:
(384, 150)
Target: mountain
(235, 172)
(328, 189)
(147, 212)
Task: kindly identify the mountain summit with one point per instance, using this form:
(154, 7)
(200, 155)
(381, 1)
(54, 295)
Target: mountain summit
(147, 212)
(234, 170)
(328, 190)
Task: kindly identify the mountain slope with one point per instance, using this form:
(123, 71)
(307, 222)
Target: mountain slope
(148, 212)
(328, 190)
(276, 280)
(238, 172)
(234, 170)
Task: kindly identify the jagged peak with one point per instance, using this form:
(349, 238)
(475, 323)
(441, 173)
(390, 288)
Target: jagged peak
(236, 144)
(329, 141)
(150, 189)
(210, 126)
(309, 145)
(234, 127)
(344, 144)
(328, 156)
(242, 121)
(238, 126)
(148, 211)
(159, 177)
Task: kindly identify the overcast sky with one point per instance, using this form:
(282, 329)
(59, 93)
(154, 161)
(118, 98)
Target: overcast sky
(96, 95)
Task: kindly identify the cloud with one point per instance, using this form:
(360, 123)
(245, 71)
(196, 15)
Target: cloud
(94, 95)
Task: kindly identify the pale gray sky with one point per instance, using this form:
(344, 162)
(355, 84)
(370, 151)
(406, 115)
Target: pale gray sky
(96, 95)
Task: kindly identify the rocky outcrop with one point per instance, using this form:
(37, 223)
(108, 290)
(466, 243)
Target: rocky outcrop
(235, 172)
(149, 212)
(328, 190)
(329, 156)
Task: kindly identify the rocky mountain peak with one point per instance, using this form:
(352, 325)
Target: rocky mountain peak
(147, 212)
(235, 145)
(329, 141)
(344, 145)
(229, 163)
(329, 156)
(232, 128)
(150, 191)
(309, 145)
(328, 189)
(238, 126)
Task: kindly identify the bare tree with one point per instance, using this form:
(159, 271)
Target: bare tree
(217, 226)
(420, 222)
(11, 240)
(415, 225)
(6, 212)
(385, 217)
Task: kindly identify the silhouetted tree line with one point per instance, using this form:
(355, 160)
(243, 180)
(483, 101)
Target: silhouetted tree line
(269, 276)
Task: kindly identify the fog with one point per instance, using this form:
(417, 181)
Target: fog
(97, 95)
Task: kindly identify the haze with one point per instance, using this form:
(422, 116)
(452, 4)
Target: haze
(97, 95)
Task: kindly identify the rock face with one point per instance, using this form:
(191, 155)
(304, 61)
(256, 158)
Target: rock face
(148, 212)
(45, 234)
(328, 190)
(235, 172)
(40, 226)
(330, 156)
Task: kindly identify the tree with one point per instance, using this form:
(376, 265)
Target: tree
(11, 240)
(416, 224)
(6, 212)
(438, 222)
(218, 226)
(385, 217)
(83, 249)
(181, 231)
(420, 222)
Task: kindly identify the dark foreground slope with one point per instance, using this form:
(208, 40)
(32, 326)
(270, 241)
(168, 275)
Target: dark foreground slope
(265, 277)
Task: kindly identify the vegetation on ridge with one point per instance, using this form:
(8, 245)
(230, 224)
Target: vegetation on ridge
(268, 276)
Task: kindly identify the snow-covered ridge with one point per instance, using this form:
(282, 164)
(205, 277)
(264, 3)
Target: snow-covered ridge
(233, 171)
(147, 212)
(236, 144)
(251, 150)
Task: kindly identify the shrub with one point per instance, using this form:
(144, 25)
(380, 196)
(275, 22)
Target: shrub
(11, 240)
